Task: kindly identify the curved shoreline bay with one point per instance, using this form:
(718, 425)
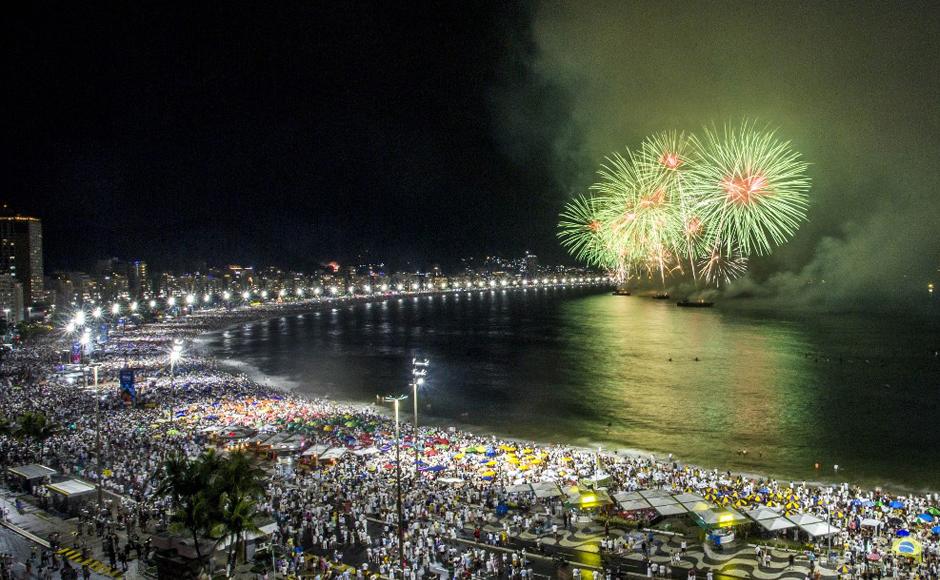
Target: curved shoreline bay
(586, 368)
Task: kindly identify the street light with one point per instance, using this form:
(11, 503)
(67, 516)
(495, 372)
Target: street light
(80, 318)
(401, 520)
(152, 303)
(115, 309)
(176, 353)
(419, 370)
(171, 301)
(96, 312)
(246, 295)
(134, 306)
(94, 369)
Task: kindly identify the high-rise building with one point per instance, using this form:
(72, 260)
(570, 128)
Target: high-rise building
(11, 299)
(21, 253)
(531, 264)
(138, 278)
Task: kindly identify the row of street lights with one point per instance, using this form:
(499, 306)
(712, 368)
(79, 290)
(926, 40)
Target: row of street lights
(192, 300)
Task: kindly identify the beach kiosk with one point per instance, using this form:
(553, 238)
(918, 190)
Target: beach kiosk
(27, 477)
(68, 496)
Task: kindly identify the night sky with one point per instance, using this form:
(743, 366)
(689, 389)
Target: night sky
(294, 133)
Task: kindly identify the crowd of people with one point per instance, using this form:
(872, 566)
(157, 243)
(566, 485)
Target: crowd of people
(456, 486)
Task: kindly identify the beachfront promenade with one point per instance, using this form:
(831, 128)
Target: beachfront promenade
(466, 504)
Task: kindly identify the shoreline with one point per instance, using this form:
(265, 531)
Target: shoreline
(477, 430)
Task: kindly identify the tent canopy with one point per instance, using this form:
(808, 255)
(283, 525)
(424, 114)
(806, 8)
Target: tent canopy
(762, 513)
(672, 509)
(33, 471)
(71, 487)
(820, 529)
(776, 524)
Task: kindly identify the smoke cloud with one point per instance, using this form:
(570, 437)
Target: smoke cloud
(853, 87)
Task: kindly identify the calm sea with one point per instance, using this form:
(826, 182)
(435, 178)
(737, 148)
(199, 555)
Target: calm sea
(584, 367)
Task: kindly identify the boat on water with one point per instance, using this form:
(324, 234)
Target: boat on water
(620, 293)
(694, 304)
(661, 296)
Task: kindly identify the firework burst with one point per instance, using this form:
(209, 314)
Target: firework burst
(752, 186)
(679, 201)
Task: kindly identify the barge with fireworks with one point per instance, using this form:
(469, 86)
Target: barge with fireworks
(694, 304)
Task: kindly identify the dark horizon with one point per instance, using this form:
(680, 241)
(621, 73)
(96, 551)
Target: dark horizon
(295, 134)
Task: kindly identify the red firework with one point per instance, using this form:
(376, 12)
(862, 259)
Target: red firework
(744, 189)
(670, 160)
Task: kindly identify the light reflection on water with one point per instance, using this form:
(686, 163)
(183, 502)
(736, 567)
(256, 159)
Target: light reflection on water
(561, 365)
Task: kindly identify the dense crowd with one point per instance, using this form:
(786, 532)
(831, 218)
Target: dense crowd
(459, 486)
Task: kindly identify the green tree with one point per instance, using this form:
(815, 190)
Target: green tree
(34, 426)
(237, 518)
(187, 483)
(213, 496)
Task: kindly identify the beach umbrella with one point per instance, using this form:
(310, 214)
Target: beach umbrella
(934, 512)
(873, 556)
(896, 504)
(926, 518)
(902, 533)
(935, 530)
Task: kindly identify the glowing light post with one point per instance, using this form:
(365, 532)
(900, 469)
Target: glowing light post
(175, 356)
(94, 370)
(419, 370)
(401, 519)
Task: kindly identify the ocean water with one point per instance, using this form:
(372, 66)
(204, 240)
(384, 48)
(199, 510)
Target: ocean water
(584, 367)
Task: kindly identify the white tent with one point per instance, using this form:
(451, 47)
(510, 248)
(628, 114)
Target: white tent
(651, 493)
(520, 488)
(622, 496)
(333, 454)
(314, 451)
(820, 529)
(366, 451)
(634, 505)
(546, 489)
(776, 524)
(802, 519)
(762, 513)
(658, 501)
(672, 509)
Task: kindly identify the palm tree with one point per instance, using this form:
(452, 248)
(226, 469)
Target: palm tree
(35, 426)
(188, 483)
(241, 475)
(237, 518)
(213, 495)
